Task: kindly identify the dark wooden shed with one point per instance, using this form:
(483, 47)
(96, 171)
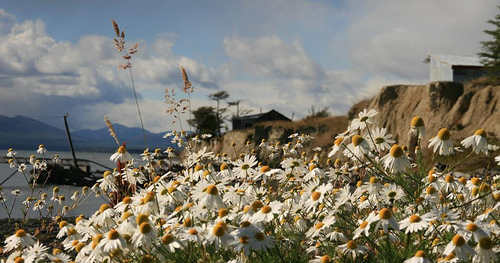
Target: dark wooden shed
(248, 121)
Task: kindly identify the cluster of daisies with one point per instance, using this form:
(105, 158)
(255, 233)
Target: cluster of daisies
(376, 202)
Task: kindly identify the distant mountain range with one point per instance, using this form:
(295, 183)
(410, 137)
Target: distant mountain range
(22, 133)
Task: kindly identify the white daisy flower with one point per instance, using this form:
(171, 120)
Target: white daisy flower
(145, 235)
(170, 242)
(381, 140)
(417, 127)
(392, 193)
(337, 145)
(415, 223)
(41, 149)
(245, 168)
(420, 257)
(459, 246)
(477, 141)
(358, 147)
(384, 219)
(364, 117)
(484, 250)
(20, 239)
(396, 160)
(218, 235)
(351, 247)
(134, 176)
(442, 143)
(111, 241)
(121, 155)
(11, 153)
(267, 212)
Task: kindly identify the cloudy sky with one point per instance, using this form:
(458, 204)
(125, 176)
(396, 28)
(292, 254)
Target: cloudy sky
(59, 57)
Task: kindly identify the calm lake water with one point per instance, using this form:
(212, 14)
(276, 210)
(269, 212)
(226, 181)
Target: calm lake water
(19, 182)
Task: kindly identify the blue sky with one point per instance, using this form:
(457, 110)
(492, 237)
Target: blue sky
(58, 56)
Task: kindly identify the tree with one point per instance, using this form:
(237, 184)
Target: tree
(318, 113)
(490, 55)
(218, 96)
(238, 110)
(204, 120)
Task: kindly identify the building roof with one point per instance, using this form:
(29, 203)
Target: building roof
(453, 60)
(257, 116)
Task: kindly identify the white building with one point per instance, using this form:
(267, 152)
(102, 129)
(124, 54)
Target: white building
(454, 68)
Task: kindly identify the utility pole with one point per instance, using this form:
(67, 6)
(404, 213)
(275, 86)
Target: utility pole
(69, 140)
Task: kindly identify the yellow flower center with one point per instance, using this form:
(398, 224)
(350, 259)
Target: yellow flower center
(141, 218)
(420, 254)
(79, 247)
(444, 134)
(462, 180)
(357, 140)
(325, 259)
(338, 141)
(245, 167)
(475, 191)
(319, 225)
(484, 188)
(106, 174)
(193, 231)
(435, 241)
(475, 181)
(417, 122)
(223, 212)
(472, 227)
(373, 180)
(315, 196)
(244, 239)
(20, 233)
(396, 151)
(265, 168)
(145, 228)
(392, 194)
(218, 230)
(245, 224)
(113, 234)
(265, 209)
(363, 225)
(351, 244)
(212, 190)
(259, 236)
(71, 231)
(385, 213)
(481, 132)
(103, 207)
(449, 178)
(486, 243)
(430, 190)
(458, 240)
(415, 219)
(171, 189)
(122, 150)
(431, 178)
(187, 222)
(257, 205)
(63, 224)
(127, 200)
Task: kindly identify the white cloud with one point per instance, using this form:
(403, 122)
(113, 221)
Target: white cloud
(41, 76)
(392, 38)
(270, 56)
